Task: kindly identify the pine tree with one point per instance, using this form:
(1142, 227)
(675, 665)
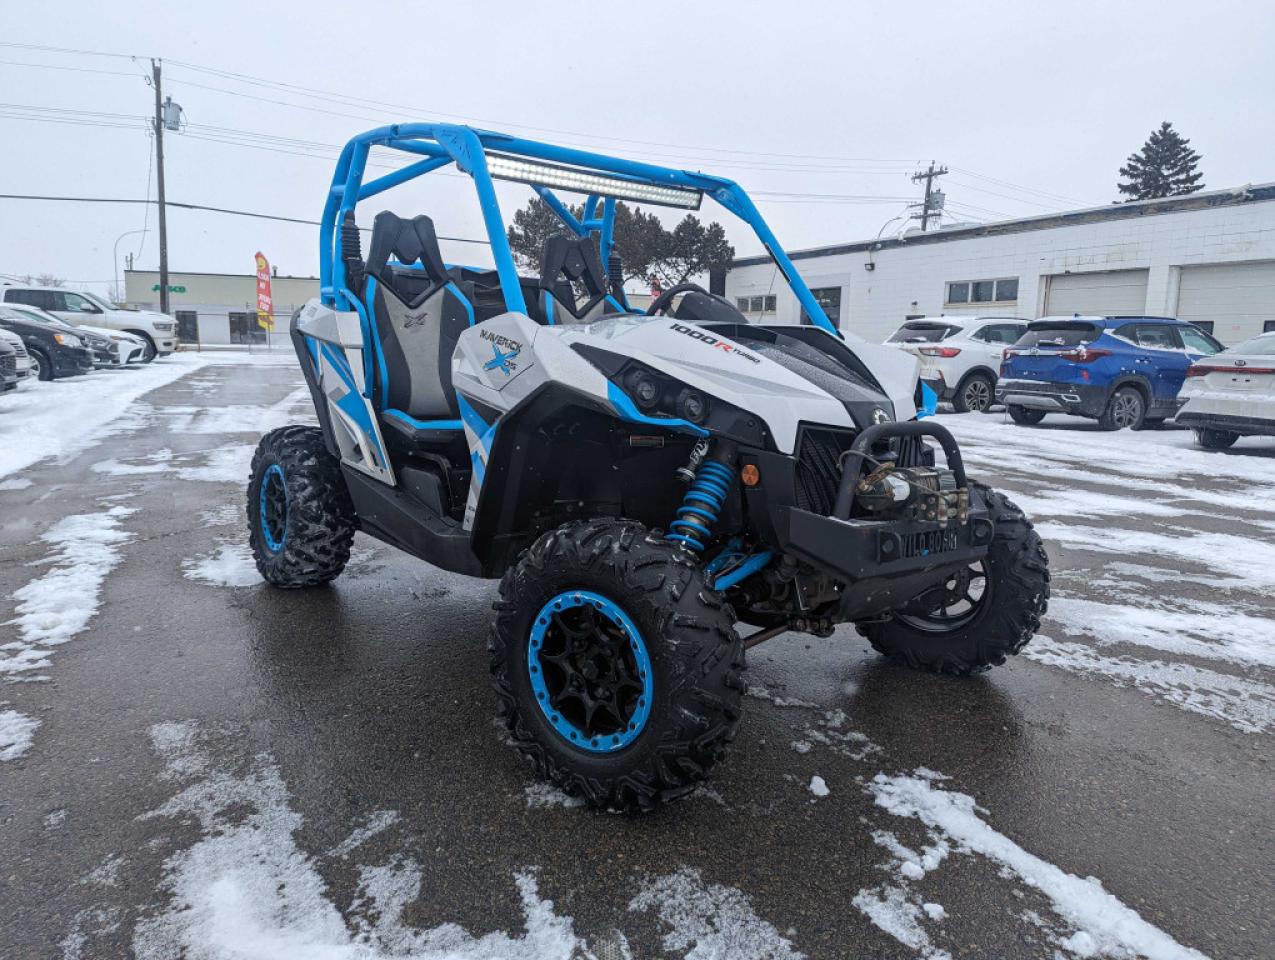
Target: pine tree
(1165, 167)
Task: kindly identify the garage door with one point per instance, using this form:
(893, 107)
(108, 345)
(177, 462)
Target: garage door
(1238, 298)
(1111, 293)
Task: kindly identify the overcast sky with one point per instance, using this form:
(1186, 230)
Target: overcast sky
(792, 99)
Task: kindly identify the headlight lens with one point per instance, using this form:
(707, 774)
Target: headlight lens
(67, 340)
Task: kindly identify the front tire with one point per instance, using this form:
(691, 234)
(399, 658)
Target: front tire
(618, 672)
(975, 394)
(151, 351)
(1025, 415)
(1211, 439)
(962, 629)
(43, 368)
(300, 518)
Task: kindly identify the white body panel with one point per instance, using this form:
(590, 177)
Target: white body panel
(1238, 384)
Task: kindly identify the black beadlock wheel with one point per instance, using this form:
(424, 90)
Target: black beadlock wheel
(618, 672)
(300, 518)
(982, 614)
(975, 394)
(1025, 415)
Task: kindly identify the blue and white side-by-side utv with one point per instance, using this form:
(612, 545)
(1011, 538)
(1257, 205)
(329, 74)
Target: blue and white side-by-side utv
(640, 482)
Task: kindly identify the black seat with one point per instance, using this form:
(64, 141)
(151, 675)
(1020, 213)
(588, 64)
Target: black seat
(568, 261)
(419, 311)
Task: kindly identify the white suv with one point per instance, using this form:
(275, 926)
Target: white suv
(78, 307)
(960, 356)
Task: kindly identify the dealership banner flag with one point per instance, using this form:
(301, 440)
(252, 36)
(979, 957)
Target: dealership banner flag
(265, 303)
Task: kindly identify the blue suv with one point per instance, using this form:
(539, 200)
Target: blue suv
(1120, 371)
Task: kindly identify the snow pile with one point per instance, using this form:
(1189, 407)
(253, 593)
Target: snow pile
(1102, 923)
(378, 822)
(55, 607)
(230, 565)
(1210, 630)
(710, 921)
(15, 483)
(828, 732)
(61, 418)
(1247, 705)
(541, 794)
(242, 418)
(894, 912)
(16, 731)
(818, 787)
(247, 890)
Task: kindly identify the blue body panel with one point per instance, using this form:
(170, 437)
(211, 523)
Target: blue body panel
(1117, 354)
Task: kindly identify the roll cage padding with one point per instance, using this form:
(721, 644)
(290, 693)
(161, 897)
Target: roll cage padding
(567, 261)
(408, 242)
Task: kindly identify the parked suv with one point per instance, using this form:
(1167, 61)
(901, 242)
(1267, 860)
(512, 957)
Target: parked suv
(960, 356)
(57, 349)
(158, 330)
(1120, 371)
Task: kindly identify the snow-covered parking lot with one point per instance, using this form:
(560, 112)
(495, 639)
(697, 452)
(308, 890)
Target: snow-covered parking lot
(192, 764)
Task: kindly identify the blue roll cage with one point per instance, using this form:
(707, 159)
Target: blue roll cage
(441, 144)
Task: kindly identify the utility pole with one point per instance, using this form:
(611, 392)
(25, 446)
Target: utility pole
(932, 206)
(159, 168)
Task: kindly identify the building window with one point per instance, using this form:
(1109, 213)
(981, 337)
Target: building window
(760, 304)
(244, 329)
(1004, 290)
(187, 326)
(1268, 326)
(830, 299)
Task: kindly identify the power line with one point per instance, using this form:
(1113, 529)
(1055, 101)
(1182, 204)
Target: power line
(197, 206)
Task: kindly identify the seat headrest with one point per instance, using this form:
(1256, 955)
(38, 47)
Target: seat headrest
(408, 241)
(575, 259)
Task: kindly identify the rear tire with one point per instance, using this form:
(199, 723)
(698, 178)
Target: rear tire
(1025, 415)
(1126, 408)
(975, 394)
(1014, 598)
(300, 518)
(566, 608)
(1211, 439)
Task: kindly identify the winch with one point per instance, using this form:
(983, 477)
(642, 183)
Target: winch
(916, 493)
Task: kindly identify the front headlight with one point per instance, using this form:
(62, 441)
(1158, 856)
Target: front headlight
(67, 340)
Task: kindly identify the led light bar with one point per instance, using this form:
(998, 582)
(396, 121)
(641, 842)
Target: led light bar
(541, 174)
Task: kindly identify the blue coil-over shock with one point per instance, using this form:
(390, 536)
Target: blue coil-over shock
(711, 483)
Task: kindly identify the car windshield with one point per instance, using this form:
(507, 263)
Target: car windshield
(1261, 346)
(32, 313)
(922, 333)
(102, 301)
(1058, 335)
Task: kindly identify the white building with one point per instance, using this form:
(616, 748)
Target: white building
(1208, 258)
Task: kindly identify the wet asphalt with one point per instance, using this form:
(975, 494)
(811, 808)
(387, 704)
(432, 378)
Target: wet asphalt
(373, 695)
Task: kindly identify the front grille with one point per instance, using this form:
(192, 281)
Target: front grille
(819, 468)
(19, 348)
(8, 366)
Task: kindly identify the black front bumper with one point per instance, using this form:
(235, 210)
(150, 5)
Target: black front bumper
(882, 563)
(1085, 400)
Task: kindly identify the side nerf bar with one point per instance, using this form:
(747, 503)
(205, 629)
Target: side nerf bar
(852, 459)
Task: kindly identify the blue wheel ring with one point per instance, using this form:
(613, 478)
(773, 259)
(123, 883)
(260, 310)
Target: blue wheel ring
(611, 742)
(277, 537)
